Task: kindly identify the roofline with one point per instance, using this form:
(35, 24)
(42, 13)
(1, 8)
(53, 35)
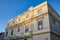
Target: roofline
(45, 2)
(53, 9)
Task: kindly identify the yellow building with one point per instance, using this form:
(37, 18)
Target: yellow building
(36, 23)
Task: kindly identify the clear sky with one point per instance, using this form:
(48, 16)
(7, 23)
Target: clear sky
(11, 8)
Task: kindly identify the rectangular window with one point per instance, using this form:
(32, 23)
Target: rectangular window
(46, 38)
(25, 39)
(18, 29)
(11, 32)
(53, 22)
(27, 16)
(39, 11)
(26, 28)
(40, 25)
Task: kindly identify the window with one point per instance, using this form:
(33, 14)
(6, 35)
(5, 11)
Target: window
(11, 32)
(53, 22)
(39, 11)
(27, 16)
(6, 34)
(18, 29)
(25, 39)
(26, 28)
(46, 38)
(50, 10)
(40, 23)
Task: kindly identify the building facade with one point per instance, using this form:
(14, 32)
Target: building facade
(37, 23)
(2, 34)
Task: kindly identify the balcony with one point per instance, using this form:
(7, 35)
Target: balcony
(20, 35)
(28, 34)
(16, 36)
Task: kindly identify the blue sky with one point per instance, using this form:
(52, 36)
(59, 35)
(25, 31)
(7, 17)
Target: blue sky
(11, 8)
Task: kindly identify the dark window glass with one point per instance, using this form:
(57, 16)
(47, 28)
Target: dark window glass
(18, 30)
(25, 39)
(46, 38)
(53, 22)
(11, 32)
(40, 25)
(26, 28)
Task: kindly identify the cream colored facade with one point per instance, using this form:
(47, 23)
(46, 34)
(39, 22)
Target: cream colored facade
(43, 12)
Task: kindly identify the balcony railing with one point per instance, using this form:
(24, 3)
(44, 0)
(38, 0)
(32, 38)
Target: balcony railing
(28, 34)
(20, 35)
(16, 36)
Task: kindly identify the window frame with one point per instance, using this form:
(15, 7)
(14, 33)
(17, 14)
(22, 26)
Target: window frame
(27, 16)
(19, 29)
(40, 24)
(40, 11)
(26, 28)
(12, 32)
